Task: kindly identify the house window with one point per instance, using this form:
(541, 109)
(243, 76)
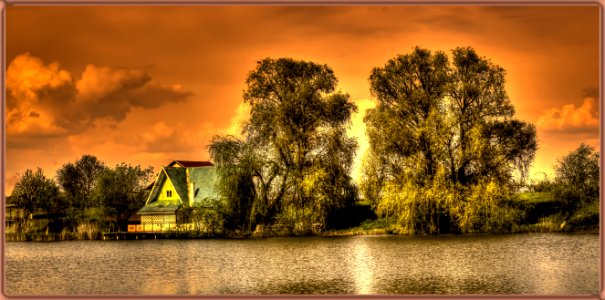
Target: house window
(168, 194)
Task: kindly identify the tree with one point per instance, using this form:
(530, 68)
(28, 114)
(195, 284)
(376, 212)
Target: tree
(441, 132)
(238, 166)
(372, 177)
(577, 179)
(78, 181)
(121, 191)
(293, 139)
(34, 191)
(478, 104)
(403, 127)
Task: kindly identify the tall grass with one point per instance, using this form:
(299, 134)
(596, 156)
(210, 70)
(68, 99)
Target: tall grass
(87, 231)
(32, 231)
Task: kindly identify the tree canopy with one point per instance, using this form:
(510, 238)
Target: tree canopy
(294, 160)
(121, 191)
(577, 179)
(442, 126)
(78, 181)
(92, 196)
(34, 191)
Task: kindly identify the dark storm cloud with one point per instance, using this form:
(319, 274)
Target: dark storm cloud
(590, 92)
(68, 106)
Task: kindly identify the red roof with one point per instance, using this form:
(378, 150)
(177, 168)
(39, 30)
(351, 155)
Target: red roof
(191, 164)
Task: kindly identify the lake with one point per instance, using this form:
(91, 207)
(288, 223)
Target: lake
(458, 264)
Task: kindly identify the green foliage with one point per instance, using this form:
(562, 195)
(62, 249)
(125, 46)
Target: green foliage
(93, 197)
(34, 191)
(577, 180)
(541, 186)
(586, 217)
(550, 223)
(237, 166)
(373, 177)
(121, 191)
(482, 113)
(292, 165)
(404, 126)
(208, 222)
(535, 197)
(486, 209)
(78, 181)
(444, 146)
(425, 208)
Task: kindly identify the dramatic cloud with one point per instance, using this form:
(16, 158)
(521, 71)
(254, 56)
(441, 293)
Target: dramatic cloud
(173, 138)
(570, 119)
(31, 86)
(100, 78)
(44, 100)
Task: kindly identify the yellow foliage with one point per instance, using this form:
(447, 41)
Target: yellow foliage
(485, 211)
(418, 208)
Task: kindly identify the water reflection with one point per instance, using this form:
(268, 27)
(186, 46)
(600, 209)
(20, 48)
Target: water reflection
(507, 264)
(309, 287)
(362, 270)
(444, 285)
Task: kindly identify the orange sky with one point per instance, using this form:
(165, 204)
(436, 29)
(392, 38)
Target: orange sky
(147, 85)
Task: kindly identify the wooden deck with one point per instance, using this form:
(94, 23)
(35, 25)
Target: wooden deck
(134, 235)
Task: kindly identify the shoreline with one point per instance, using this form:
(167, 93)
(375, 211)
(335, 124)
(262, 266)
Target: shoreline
(56, 237)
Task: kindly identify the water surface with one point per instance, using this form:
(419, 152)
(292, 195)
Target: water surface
(539, 264)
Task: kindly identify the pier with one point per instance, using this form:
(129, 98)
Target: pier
(135, 235)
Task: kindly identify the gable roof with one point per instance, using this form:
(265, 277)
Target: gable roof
(152, 205)
(190, 163)
(204, 181)
(150, 186)
(157, 186)
(178, 178)
(201, 179)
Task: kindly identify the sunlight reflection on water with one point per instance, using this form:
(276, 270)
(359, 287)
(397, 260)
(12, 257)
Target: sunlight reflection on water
(484, 264)
(362, 271)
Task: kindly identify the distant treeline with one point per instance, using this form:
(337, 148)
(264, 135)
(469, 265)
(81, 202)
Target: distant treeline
(446, 156)
(86, 198)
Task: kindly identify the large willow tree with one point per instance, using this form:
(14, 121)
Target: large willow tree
(444, 147)
(293, 164)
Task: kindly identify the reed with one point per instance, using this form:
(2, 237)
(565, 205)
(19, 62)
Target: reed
(87, 231)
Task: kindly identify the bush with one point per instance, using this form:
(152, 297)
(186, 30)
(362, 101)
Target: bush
(585, 218)
(577, 182)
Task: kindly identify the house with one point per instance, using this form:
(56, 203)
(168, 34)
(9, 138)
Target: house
(180, 188)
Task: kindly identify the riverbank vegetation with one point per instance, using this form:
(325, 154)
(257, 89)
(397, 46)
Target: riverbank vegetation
(446, 156)
(86, 199)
